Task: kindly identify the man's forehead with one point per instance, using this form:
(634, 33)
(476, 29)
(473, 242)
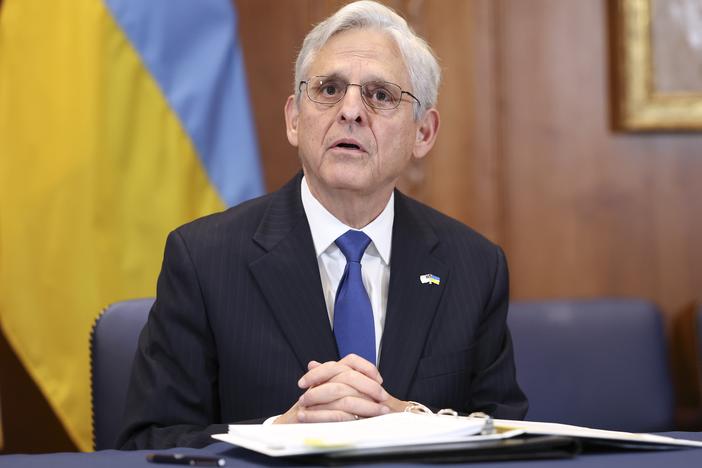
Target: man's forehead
(366, 54)
(361, 50)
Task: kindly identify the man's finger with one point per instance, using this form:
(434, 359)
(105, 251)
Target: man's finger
(361, 365)
(305, 416)
(362, 384)
(328, 393)
(357, 406)
(337, 373)
(312, 364)
(321, 373)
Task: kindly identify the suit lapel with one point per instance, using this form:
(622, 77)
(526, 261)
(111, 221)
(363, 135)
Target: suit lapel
(411, 304)
(288, 275)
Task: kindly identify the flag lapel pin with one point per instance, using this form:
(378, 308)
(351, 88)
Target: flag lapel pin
(429, 279)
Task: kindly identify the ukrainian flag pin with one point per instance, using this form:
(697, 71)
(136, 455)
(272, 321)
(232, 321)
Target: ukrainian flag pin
(429, 279)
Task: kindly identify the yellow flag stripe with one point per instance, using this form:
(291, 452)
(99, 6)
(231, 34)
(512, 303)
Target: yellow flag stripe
(95, 169)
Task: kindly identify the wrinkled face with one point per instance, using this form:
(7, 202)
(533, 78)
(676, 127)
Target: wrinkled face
(349, 146)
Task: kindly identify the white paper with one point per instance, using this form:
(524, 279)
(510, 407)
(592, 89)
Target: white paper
(402, 429)
(391, 430)
(543, 428)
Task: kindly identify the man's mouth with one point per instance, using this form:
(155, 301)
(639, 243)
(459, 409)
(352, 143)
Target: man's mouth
(348, 144)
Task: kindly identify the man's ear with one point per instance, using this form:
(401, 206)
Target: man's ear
(292, 115)
(426, 133)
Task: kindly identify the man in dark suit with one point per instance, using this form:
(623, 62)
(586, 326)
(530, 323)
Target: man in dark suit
(336, 297)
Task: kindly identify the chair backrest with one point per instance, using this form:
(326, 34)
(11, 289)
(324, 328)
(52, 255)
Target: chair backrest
(113, 343)
(596, 363)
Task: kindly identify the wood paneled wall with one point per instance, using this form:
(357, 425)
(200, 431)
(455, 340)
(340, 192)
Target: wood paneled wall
(526, 153)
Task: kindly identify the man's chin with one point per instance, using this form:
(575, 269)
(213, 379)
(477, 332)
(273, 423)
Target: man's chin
(345, 178)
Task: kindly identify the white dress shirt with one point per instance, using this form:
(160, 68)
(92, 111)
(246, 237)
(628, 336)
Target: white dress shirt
(375, 263)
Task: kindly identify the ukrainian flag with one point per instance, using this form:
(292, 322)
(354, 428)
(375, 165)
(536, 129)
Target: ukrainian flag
(119, 120)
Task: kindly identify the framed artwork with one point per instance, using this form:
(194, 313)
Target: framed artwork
(657, 64)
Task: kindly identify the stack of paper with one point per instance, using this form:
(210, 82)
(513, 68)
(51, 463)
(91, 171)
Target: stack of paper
(614, 438)
(391, 430)
(427, 433)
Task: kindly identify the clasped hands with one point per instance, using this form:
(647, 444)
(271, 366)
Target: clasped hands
(341, 391)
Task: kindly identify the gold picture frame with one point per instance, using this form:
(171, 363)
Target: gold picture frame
(639, 102)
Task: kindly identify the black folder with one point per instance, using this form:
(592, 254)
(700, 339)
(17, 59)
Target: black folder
(519, 448)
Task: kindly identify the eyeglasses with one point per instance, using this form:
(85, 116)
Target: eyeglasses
(376, 94)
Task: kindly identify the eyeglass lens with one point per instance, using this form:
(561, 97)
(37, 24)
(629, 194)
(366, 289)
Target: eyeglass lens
(377, 94)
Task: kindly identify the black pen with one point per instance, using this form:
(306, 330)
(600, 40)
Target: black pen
(183, 459)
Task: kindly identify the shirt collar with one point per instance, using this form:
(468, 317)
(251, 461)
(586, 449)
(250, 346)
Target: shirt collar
(326, 228)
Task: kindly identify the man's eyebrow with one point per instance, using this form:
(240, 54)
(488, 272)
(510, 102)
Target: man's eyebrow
(367, 79)
(376, 78)
(333, 76)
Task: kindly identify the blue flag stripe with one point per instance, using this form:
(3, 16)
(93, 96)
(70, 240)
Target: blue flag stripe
(191, 49)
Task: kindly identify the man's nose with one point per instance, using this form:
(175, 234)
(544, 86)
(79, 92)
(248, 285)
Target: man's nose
(352, 107)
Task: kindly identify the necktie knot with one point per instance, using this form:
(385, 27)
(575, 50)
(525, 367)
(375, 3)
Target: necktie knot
(352, 244)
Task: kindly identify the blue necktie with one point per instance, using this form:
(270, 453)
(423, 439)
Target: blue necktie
(353, 316)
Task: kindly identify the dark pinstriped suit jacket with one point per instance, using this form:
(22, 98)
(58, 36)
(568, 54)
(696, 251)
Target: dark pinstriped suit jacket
(240, 312)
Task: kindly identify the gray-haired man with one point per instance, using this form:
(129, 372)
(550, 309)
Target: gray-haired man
(336, 297)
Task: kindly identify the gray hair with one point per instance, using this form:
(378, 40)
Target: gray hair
(422, 65)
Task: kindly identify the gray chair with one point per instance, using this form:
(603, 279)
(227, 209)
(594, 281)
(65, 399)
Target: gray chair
(596, 363)
(113, 343)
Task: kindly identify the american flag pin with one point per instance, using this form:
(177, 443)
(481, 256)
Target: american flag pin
(429, 279)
